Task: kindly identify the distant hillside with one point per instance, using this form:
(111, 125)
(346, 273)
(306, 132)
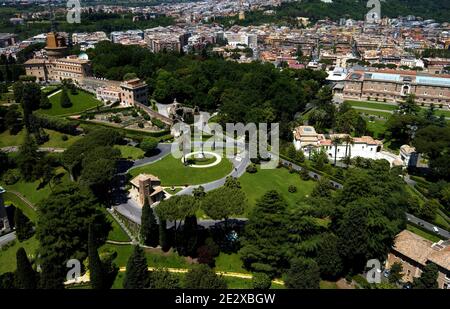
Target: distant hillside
(356, 9)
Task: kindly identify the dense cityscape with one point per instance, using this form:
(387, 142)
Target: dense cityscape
(224, 144)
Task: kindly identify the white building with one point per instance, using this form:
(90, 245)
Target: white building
(241, 38)
(308, 140)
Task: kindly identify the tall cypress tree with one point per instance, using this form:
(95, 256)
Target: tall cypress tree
(96, 268)
(25, 275)
(24, 227)
(163, 236)
(64, 100)
(149, 226)
(136, 276)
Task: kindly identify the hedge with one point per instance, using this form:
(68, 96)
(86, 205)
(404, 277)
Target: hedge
(58, 124)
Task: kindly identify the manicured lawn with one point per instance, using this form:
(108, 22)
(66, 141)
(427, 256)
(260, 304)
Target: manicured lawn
(380, 106)
(422, 233)
(8, 256)
(172, 171)
(55, 140)
(32, 191)
(80, 102)
(255, 185)
(377, 127)
(130, 152)
(230, 263)
(117, 233)
(380, 113)
(11, 199)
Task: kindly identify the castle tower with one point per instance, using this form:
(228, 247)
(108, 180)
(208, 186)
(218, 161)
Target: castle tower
(4, 222)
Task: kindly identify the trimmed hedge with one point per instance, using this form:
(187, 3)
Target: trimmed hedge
(61, 125)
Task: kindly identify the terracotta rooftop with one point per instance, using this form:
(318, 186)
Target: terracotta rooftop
(413, 246)
(143, 177)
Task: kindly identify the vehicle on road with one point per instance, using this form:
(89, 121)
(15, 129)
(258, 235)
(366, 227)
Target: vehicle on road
(435, 229)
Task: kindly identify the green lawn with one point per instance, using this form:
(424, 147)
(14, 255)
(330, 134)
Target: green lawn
(55, 140)
(380, 106)
(117, 233)
(11, 199)
(172, 171)
(377, 127)
(422, 233)
(230, 263)
(255, 185)
(8, 255)
(32, 190)
(384, 114)
(130, 152)
(80, 102)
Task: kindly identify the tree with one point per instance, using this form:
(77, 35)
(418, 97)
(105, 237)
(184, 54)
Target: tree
(206, 254)
(319, 159)
(223, 203)
(261, 281)
(395, 274)
(176, 209)
(97, 273)
(303, 274)
(45, 102)
(164, 241)
(203, 277)
(28, 158)
(31, 97)
(7, 281)
(149, 227)
(23, 225)
(264, 243)
(409, 106)
(97, 174)
(323, 188)
(232, 182)
(428, 279)
(64, 100)
(136, 276)
(149, 144)
(62, 230)
(26, 277)
(199, 192)
(336, 141)
(304, 174)
(163, 279)
(328, 258)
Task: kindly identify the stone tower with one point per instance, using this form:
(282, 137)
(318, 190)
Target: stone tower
(4, 222)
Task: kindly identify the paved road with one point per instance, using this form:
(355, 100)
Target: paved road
(42, 149)
(7, 238)
(378, 110)
(428, 226)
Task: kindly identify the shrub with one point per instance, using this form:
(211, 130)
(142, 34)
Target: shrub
(251, 168)
(261, 281)
(148, 144)
(64, 137)
(304, 174)
(11, 176)
(292, 189)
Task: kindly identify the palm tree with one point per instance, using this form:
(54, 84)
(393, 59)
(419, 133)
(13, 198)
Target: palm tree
(348, 149)
(336, 141)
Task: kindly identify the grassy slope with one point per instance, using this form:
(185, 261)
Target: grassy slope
(80, 102)
(171, 171)
(11, 199)
(55, 140)
(8, 256)
(255, 185)
(32, 190)
(130, 152)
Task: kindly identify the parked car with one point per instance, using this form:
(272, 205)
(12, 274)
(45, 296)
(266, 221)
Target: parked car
(386, 273)
(407, 285)
(435, 229)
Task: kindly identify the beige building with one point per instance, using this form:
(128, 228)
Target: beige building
(146, 186)
(394, 86)
(132, 91)
(56, 67)
(415, 252)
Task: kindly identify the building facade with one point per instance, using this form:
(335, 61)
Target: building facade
(146, 186)
(132, 91)
(395, 86)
